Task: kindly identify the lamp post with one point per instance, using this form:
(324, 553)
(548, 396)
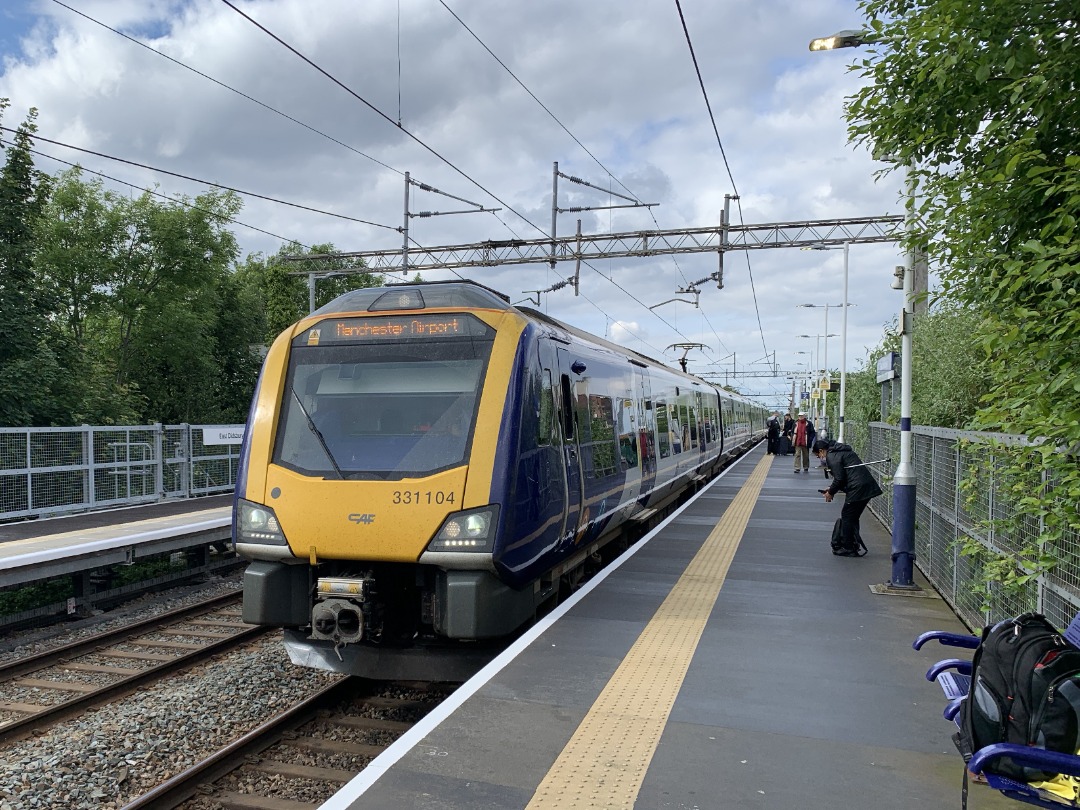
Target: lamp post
(843, 331)
(311, 279)
(903, 522)
(817, 356)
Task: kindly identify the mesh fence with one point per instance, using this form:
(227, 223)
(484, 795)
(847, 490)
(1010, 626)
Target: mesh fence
(967, 486)
(49, 471)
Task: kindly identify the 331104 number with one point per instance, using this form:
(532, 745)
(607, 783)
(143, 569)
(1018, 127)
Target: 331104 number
(414, 497)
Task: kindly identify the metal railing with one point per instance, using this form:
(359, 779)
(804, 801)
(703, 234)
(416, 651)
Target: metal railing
(53, 471)
(962, 495)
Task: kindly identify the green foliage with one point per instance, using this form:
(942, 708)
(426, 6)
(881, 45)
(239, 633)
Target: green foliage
(978, 98)
(30, 369)
(146, 303)
(950, 368)
(35, 595)
(283, 289)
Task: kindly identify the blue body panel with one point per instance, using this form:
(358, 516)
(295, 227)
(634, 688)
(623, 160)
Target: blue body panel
(620, 476)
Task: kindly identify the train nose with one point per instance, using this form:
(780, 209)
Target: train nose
(337, 620)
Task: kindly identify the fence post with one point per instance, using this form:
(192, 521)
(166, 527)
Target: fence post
(159, 454)
(91, 472)
(29, 474)
(184, 449)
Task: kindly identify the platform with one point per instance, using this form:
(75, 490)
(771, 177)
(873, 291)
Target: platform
(728, 661)
(38, 549)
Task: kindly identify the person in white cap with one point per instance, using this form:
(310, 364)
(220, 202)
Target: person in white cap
(802, 441)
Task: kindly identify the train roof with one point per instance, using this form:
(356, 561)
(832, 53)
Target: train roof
(417, 295)
(434, 294)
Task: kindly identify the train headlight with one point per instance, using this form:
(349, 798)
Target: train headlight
(257, 524)
(473, 530)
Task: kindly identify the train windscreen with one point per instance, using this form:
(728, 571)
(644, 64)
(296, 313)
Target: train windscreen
(378, 410)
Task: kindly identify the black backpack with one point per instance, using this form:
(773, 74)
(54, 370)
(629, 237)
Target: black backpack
(837, 541)
(1025, 689)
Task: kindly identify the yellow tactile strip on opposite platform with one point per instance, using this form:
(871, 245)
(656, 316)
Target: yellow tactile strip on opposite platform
(605, 761)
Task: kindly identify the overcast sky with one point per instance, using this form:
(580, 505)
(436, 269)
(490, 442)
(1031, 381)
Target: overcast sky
(617, 74)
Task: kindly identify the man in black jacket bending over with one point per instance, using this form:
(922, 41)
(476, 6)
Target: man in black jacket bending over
(850, 476)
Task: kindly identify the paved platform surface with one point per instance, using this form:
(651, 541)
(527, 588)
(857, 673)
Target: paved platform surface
(797, 689)
(44, 527)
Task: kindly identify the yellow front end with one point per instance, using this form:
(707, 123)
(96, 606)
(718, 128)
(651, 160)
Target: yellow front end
(380, 521)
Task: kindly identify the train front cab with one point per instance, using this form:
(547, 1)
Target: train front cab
(371, 447)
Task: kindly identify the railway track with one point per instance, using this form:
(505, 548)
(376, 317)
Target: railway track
(40, 690)
(301, 757)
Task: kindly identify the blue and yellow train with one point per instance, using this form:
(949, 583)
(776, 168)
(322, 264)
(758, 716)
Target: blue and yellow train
(427, 466)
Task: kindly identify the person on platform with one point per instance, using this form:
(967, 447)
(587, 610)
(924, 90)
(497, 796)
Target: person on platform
(850, 476)
(773, 435)
(802, 441)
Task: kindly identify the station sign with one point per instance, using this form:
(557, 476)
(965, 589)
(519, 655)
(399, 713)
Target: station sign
(222, 435)
(887, 366)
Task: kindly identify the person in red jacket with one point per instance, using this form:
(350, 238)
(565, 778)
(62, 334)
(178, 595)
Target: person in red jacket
(801, 441)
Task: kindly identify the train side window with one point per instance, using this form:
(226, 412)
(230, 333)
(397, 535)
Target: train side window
(546, 417)
(598, 442)
(662, 428)
(567, 407)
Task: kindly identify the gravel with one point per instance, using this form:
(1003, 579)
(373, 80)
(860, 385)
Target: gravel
(109, 757)
(21, 644)
(104, 759)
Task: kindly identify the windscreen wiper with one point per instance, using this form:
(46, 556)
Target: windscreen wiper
(318, 434)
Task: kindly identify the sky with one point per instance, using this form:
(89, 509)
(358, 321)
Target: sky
(606, 88)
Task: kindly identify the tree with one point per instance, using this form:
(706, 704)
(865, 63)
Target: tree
(170, 266)
(284, 293)
(143, 294)
(31, 380)
(978, 98)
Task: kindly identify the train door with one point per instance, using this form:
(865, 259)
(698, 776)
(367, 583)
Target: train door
(573, 517)
(646, 421)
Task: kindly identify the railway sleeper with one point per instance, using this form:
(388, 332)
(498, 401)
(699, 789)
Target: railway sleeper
(325, 746)
(369, 723)
(245, 801)
(293, 771)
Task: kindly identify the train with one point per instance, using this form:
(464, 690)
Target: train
(427, 468)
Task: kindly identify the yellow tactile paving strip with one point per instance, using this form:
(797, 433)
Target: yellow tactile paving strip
(605, 761)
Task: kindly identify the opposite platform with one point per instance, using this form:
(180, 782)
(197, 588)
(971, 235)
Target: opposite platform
(729, 660)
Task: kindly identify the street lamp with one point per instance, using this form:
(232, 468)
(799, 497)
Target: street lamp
(848, 38)
(903, 523)
(843, 331)
(311, 278)
(817, 366)
(805, 379)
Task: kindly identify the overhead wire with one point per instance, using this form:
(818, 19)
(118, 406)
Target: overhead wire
(334, 140)
(205, 182)
(576, 140)
(417, 140)
(222, 84)
(379, 112)
(171, 199)
(727, 166)
(263, 104)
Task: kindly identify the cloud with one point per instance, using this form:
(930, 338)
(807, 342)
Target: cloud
(619, 77)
